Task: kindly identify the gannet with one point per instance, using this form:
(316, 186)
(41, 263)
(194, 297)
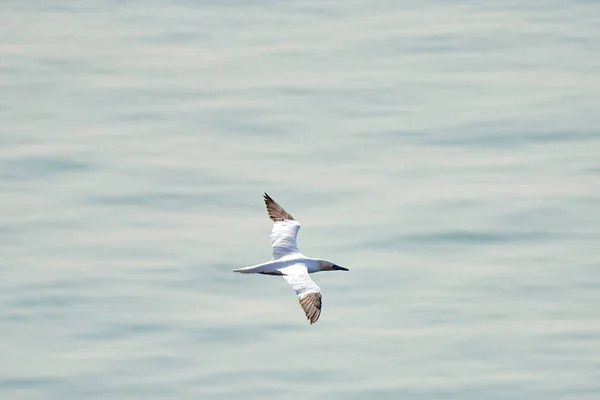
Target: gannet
(289, 263)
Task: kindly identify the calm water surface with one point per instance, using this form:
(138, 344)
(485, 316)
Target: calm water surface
(446, 152)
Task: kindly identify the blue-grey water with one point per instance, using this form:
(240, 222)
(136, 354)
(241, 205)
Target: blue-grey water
(446, 152)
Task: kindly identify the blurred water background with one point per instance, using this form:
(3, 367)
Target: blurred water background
(446, 152)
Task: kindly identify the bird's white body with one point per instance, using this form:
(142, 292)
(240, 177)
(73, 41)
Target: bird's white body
(289, 263)
(311, 265)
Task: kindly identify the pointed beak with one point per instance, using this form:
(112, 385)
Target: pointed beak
(338, 268)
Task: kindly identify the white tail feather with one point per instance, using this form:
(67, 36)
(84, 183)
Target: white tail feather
(256, 269)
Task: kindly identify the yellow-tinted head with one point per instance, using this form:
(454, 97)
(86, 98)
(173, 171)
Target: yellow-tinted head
(326, 265)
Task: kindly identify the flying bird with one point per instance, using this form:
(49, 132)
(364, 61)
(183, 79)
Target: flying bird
(290, 264)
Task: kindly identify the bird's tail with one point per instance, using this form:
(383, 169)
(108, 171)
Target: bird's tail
(256, 269)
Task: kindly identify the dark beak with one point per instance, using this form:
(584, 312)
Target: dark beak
(338, 268)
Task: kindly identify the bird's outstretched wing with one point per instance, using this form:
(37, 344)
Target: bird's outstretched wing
(285, 229)
(309, 294)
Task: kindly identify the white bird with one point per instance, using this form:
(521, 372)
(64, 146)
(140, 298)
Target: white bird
(289, 263)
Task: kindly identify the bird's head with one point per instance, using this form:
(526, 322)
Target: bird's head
(326, 265)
